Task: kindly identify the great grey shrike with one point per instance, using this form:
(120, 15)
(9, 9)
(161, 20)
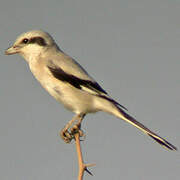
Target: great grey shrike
(69, 83)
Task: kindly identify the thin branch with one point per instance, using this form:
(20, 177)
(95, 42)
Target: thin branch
(82, 167)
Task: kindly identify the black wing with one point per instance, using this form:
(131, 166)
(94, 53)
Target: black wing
(86, 85)
(75, 81)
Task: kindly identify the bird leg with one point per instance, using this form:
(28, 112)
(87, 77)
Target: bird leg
(77, 127)
(67, 135)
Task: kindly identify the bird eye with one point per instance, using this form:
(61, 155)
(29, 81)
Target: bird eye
(25, 41)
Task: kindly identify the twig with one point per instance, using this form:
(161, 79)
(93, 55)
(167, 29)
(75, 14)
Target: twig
(82, 167)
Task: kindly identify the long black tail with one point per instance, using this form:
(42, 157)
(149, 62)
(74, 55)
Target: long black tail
(123, 115)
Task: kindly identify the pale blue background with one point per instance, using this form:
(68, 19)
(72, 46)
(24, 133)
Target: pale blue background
(132, 48)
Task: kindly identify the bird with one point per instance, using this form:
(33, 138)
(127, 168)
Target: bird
(70, 84)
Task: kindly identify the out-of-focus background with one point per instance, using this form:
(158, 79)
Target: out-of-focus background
(132, 49)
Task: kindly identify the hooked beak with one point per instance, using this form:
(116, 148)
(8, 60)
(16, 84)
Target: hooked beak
(12, 50)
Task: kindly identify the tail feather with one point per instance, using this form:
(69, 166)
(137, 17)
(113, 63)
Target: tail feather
(123, 115)
(163, 142)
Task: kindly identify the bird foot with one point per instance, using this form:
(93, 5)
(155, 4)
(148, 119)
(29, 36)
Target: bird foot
(67, 136)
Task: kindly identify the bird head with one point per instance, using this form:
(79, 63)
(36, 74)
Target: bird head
(31, 43)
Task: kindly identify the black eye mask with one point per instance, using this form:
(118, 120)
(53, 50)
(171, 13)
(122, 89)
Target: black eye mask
(38, 40)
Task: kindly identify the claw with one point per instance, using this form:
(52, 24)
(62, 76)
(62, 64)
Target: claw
(81, 133)
(66, 136)
(76, 129)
